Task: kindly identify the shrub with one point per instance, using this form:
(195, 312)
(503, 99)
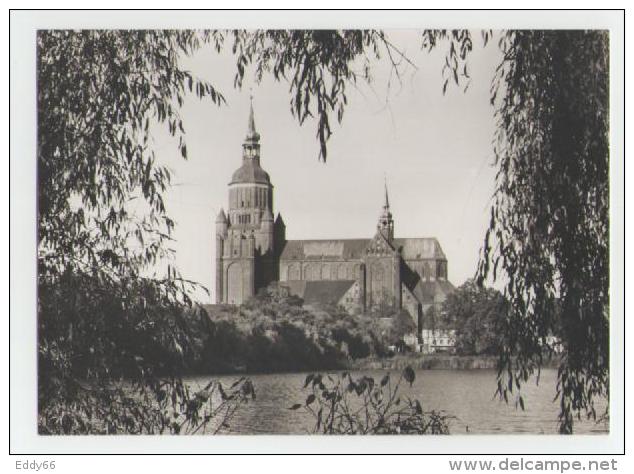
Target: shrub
(345, 404)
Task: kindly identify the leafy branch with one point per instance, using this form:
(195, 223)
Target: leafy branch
(344, 404)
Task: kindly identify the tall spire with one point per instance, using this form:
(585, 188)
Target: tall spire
(252, 134)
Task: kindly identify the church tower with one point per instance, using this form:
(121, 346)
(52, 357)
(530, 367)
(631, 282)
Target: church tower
(245, 235)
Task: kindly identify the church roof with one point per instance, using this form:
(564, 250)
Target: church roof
(430, 291)
(250, 172)
(319, 291)
(411, 249)
(336, 248)
(418, 248)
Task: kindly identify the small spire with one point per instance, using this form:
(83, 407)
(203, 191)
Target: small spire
(222, 218)
(387, 200)
(386, 223)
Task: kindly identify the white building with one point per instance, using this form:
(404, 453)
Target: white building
(438, 340)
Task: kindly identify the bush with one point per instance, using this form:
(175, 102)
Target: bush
(344, 404)
(273, 332)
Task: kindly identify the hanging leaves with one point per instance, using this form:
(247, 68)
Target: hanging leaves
(549, 230)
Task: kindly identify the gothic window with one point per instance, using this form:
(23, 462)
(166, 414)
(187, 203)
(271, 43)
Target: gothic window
(355, 271)
(312, 271)
(325, 272)
(378, 284)
(442, 270)
(341, 274)
(234, 284)
(332, 274)
(293, 271)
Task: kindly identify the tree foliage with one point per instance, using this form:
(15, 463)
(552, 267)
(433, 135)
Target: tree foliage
(111, 338)
(549, 230)
(100, 188)
(477, 314)
(402, 325)
(318, 66)
(273, 332)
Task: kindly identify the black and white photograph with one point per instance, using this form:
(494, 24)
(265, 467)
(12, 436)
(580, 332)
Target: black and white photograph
(249, 231)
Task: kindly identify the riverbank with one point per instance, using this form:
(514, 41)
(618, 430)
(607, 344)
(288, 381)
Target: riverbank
(432, 362)
(416, 361)
(426, 362)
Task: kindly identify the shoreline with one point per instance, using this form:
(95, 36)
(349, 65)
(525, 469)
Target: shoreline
(427, 362)
(416, 361)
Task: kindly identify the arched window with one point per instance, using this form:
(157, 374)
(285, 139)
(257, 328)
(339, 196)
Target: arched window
(378, 284)
(341, 273)
(312, 271)
(293, 271)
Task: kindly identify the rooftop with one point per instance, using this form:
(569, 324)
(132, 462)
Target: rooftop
(411, 248)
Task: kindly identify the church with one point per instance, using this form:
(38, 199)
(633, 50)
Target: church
(380, 272)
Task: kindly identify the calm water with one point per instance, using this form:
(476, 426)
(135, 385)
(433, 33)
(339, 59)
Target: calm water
(467, 395)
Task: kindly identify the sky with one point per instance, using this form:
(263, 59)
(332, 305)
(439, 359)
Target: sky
(435, 152)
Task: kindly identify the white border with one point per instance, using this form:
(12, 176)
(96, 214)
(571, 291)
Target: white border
(23, 273)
